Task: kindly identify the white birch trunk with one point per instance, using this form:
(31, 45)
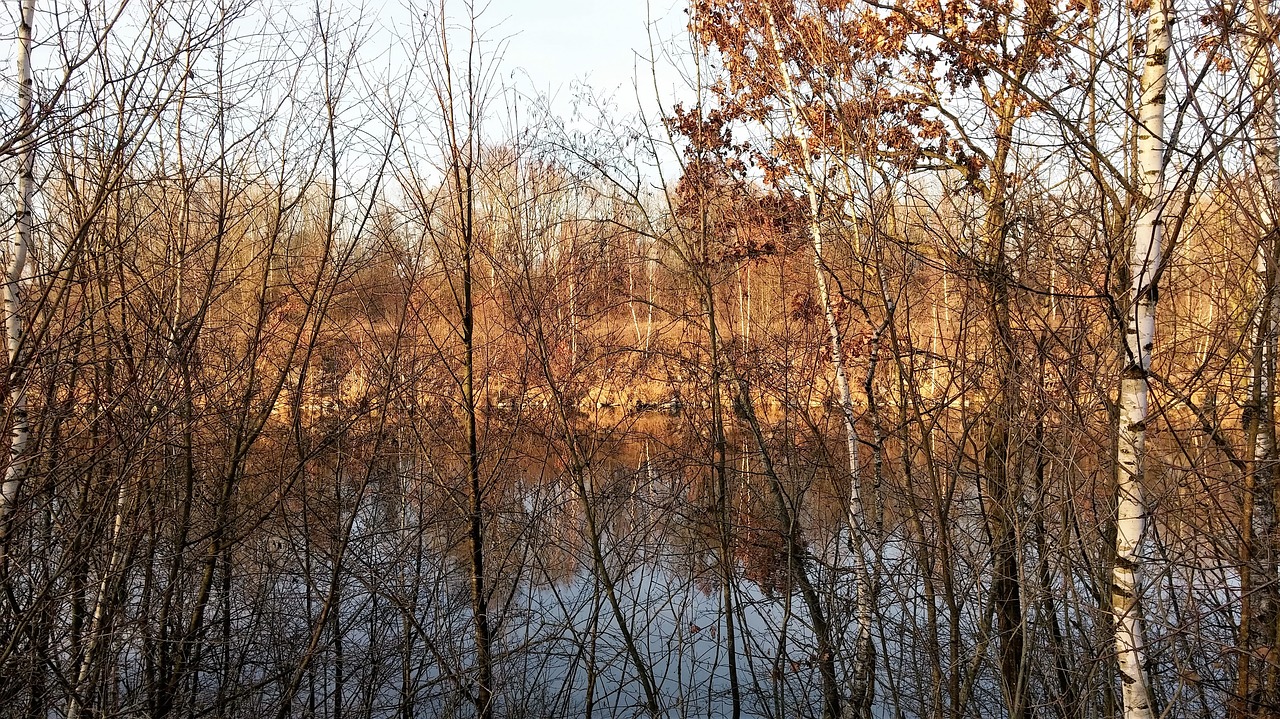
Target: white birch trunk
(1258, 605)
(17, 262)
(856, 512)
(1144, 266)
(649, 268)
(1261, 80)
(631, 302)
(100, 606)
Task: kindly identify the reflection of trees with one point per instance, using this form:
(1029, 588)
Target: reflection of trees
(344, 402)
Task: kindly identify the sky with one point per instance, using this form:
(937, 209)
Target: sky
(554, 43)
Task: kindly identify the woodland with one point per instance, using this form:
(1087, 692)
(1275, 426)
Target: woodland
(916, 359)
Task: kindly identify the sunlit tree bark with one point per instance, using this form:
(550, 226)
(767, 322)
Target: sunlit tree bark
(864, 668)
(15, 266)
(1260, 597)
(1140, 323)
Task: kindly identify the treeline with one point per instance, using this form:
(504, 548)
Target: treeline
(920, 361)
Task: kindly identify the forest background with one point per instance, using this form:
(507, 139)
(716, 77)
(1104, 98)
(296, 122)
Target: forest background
(912, 358)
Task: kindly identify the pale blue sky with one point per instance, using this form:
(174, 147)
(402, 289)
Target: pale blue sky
(601, 42)
(551, 44)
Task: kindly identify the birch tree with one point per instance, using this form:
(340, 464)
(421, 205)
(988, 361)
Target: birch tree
(16, 263)
(864, 667)
(1259, 599)
(1139, 334)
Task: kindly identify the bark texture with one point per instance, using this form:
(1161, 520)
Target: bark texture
(1256, 686)
(16, 265)
(1144, 269)
(863, 680)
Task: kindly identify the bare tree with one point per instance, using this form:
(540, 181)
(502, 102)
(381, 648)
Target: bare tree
(16, 265)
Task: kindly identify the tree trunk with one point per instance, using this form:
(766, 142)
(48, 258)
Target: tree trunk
(863, 671)
(1002, 491)
(723, 500)
(1259, 599)
(475, 526)
(16, 261)
(1144, 267)
(797, 562)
